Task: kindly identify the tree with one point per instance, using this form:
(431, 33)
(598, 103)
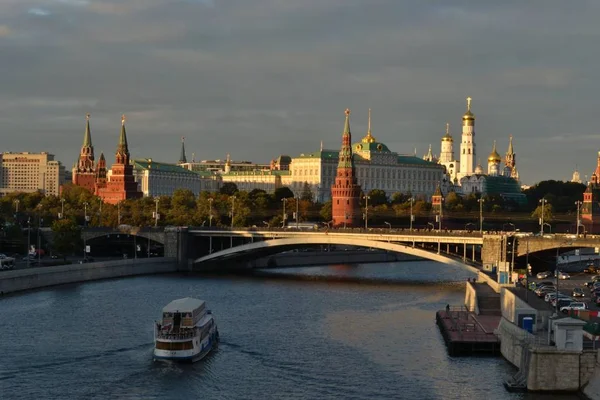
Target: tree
(547, 211)
(562, 195)
(326, 211)
(452, 201)
(67, 236)
(229, 188)
(306, 193)
(282, 193)
(377, 197)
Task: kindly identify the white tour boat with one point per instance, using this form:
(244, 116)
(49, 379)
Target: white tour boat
(187, 332)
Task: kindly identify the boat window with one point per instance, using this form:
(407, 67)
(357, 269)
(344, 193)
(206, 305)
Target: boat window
(174, 345)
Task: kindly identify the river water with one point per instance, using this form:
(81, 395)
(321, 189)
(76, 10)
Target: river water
(308, 338)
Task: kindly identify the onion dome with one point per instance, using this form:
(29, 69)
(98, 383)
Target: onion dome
(478, 169)
(494, 156)
(447, 137)
(468, 115)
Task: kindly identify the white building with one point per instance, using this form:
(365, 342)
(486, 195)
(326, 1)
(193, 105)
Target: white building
(376, 168)
(467, 145)
(261, 179)
(160, 179)
(30, 172)
(447, 158)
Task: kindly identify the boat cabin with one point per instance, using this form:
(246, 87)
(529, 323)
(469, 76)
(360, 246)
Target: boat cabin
(183, 313)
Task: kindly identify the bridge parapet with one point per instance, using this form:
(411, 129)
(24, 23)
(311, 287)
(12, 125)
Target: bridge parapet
(535, 244)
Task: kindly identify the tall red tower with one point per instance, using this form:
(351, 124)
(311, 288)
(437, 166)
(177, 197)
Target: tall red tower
(590, 210)
(345, 192)
(121, 184)
(100, 174)
(84, 173)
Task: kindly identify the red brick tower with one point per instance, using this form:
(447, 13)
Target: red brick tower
(100, 174)
(84, 173)
(345, 192)
(590, 210)
(121, 184)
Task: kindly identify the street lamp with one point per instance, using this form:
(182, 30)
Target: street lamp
(297, 210)
(578, 203)
(210, 213)
(85, 216)
(100, 211)
(367, 212)
(556, 271)
(156, 215)
(232, 217)
(412, 217)
(549, 227)
(388, 224)
(481, 201)
(39, 240)
(283, 216)
(267, 224)
(28, 239)
(432, 225)
(543, 202)
(62, 208)
(17, 201)
(118, 213)
(467, 224)
(440, 216)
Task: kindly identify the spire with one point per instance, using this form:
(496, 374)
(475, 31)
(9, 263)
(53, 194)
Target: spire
(447, 137)
(123, 137)
(193, 157)
(345, 158)
(369, 138)
(468, 114)
(87, 137)
(182, 158)
(321, 145)
(510, 146)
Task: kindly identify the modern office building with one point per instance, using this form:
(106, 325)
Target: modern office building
(30, 172)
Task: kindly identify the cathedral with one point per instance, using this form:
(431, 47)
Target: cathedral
(112, 187)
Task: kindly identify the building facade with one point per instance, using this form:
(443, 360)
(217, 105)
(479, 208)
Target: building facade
(30, 172)
(345, 192)
(121, 184)
(161, 179)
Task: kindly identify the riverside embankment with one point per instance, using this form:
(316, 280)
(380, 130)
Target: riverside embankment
(35, 278)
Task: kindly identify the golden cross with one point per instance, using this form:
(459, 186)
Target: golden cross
(347, 112)
(469, 103)
(123, 119)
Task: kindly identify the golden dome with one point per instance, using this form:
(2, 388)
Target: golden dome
(369, 138)
(447, 137)
(494, 156)
(469, 115)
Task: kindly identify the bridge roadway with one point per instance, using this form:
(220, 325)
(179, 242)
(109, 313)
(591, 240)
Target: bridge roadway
(457, 237)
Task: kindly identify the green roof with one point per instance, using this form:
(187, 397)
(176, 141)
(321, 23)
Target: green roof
(332, 154)
(154, 165)
(256, 173)
(375, 147)
(414, 160)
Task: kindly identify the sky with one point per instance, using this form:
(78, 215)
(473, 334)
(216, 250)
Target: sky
(260, 78)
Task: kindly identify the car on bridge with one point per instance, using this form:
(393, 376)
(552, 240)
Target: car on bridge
(578, 292)
(577, 306)
(563, 275)
(544, 275)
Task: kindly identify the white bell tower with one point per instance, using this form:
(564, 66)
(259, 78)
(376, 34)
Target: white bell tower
(467, 144)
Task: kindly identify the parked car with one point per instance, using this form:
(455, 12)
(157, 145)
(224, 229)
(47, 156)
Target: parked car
(590, 269)
(566, 299)
(543, 292)
(563, 303)
(578, 292)
(544, 275)
(574, 306)
(563, 275)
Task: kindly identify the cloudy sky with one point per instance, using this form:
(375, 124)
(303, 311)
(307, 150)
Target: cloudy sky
(259, 78)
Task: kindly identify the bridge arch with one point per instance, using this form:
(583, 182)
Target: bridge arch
(273, 246)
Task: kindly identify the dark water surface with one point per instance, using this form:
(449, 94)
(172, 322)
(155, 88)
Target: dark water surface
(281, 339)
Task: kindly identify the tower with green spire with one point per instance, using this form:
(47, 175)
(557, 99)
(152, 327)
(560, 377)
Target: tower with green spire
(345, 192)
(84, 172)
(121, 184)
(182, 158)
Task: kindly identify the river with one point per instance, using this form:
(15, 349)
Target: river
(313, 338)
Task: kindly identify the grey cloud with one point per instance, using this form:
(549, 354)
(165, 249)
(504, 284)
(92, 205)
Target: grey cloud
(264, 77)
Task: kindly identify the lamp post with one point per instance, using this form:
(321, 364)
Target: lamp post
(267, 224)
(556, 272)
(62, 208)
(440, 216)
(367, 212)
(578, 203)
(412, 200)
(118, 213)
(85, 216)
(39, 240)
(543, 202)
(232, 217)
(28, 239)
(156, 216)
(549, 227)
(210, 215)
(283, 216)
(100, 211)
(388, 224)
(297, 210)
(480, 201)
(17, 201)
